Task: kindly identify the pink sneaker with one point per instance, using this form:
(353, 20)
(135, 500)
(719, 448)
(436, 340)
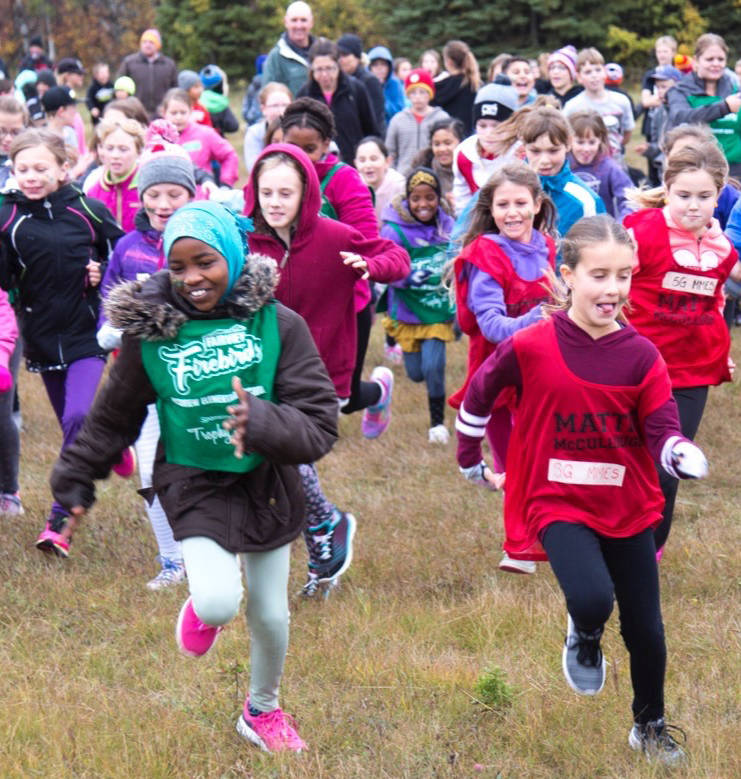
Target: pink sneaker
(126, 467)
(393, 354)
(51, 540)
(272, 731)
(376, 418)
(194, 637)
(10, 504)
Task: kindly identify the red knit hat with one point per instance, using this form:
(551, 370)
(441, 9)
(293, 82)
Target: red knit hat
(419, 77)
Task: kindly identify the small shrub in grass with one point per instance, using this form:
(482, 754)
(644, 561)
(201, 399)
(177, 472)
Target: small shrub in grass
(493, 689)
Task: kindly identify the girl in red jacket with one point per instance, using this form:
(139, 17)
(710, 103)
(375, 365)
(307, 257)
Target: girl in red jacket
(320, 262)
(677, 299)
(501, 283)
(582, 490)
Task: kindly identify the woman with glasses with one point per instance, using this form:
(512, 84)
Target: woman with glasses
(346, 97)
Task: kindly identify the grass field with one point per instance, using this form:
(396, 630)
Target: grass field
(383, 676)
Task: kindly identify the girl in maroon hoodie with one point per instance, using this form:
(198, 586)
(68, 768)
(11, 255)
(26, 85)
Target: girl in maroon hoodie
(320, 262)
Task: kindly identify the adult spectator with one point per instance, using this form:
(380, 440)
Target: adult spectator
(36, 58)
(456, 92)
(351, 51)
(708, 96)
(345, 95)
(151, 71)
(288, 61)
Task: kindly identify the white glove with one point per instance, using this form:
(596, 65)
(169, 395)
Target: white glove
(109, 337)
(483, 476)
(685, 460)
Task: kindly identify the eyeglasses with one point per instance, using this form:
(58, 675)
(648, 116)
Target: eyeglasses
(328, 69)
(12, 132)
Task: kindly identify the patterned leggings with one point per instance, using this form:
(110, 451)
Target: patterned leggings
(318, 507)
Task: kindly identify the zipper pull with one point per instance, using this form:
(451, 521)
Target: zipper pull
(47, 206)
(285, 258)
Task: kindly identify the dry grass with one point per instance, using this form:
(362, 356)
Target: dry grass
(382, 676)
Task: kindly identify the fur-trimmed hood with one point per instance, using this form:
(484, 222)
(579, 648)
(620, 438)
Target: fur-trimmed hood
(152, 311)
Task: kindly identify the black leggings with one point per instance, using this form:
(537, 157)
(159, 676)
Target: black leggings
(592, 569)
(362, 393)
(691, 404)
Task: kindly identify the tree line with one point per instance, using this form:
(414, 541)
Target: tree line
(232, 34)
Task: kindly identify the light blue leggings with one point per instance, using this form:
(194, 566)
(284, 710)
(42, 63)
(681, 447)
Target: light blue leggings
(215, 580)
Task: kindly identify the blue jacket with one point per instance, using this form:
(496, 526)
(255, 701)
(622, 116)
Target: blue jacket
(572, 197)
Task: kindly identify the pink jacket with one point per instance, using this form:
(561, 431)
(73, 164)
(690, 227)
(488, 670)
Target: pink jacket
(122, 198)
(8, 329)
(205, 144)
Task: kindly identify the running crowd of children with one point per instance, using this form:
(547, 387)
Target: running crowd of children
(597, 302)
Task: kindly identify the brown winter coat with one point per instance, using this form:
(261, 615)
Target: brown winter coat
(152, 78)
(257, 511)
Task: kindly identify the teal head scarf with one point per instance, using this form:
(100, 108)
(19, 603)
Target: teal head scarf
(216, 225)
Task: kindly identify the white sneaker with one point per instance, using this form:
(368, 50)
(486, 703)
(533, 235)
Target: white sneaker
(516, 566)
(438, 435)
(172, 573)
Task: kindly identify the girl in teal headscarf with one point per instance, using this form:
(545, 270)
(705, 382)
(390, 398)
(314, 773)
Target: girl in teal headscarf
(242, 395)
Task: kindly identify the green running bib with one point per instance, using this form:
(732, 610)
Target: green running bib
(192, 376)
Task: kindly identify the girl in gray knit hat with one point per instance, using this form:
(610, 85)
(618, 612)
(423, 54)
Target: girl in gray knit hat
(165, 183)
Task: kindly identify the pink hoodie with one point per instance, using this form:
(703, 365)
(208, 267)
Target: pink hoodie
(8, 329)
(205, 144)
(121, 198)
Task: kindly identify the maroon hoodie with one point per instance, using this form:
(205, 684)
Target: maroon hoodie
(313, 280)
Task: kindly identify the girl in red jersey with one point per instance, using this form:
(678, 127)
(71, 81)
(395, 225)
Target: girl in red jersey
(501, 283)
(677, 292)
(582, 491)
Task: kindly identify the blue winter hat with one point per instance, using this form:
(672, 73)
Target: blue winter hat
(211, 76)
(218, 227)
(380, 53)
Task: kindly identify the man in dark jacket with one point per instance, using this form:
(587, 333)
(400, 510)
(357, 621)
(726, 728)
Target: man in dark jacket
(351, 51)
(152, 72)
(36, 58)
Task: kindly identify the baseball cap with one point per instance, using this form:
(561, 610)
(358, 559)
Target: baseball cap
(70, 65)
(57, 97)
(665, 72)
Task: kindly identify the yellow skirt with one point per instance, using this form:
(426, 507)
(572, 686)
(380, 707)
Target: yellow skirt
(409, 336)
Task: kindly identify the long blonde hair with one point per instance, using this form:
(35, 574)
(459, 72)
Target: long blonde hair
(702, 156)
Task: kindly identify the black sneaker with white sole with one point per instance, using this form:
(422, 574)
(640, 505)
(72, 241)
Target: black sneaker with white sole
(582, 660)
(656, 740)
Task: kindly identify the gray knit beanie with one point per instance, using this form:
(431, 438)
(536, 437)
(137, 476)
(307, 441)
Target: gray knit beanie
(187, 79)
(165, 168)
